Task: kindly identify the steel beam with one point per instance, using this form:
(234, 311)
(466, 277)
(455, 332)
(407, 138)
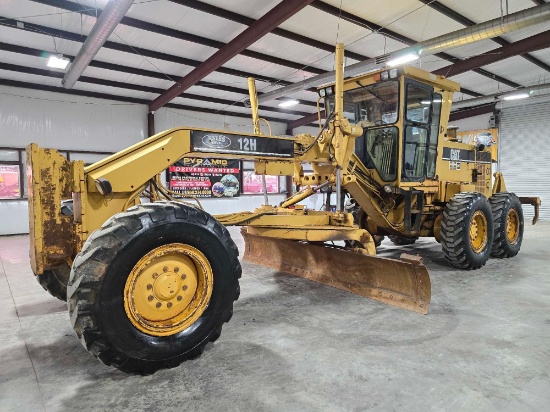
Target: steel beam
(239, 18)
(177, 34)
(76, 37)
(150, 124)
(29, 51)
(310, 118)
(141, 88)
(530, 44)
(255, 31)
(335, 11)
(98, 95)
(471, 112)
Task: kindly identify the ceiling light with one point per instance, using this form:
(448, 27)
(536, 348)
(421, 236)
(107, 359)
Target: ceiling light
(516, 96)
(58, 61)
(406, 58)
(288, 103)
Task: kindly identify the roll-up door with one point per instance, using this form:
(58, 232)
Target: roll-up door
(524, 140)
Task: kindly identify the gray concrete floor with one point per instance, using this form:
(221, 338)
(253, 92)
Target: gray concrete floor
(295, 345)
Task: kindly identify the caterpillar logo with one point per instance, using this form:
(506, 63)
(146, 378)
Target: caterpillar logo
(216, 141)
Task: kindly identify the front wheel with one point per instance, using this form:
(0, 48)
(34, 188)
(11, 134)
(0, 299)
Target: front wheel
(508, 216)
(467, 230)
(153, 286)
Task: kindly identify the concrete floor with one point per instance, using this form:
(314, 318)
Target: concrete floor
(294, 345)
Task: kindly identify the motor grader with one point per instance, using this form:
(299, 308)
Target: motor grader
(149, 284)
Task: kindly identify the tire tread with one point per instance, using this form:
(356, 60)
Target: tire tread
(101, 248)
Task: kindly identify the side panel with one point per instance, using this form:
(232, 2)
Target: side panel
(51, 232)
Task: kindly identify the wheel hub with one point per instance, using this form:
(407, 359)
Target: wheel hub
(168, 289)
(167, 286)
(478, 231)
(512, 226)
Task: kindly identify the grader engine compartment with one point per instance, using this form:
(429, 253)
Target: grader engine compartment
(149, 284)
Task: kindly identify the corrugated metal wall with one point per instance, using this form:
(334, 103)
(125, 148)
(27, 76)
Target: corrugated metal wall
(525, 153)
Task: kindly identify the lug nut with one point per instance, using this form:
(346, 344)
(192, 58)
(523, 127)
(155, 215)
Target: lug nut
(169, 304)
(176, 270)
(159, 304)
(183, 276)
(150, 298)
(184, 287)
(149, 287)
(165, 269)
(180, 298)
(155, 275)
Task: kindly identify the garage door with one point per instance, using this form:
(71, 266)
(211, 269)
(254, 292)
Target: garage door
(525, 153)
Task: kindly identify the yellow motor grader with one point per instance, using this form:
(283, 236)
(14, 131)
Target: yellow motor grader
(148, 285)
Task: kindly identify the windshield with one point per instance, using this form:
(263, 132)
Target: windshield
(372, 105)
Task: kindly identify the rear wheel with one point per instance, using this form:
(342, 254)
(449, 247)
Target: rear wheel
(402, 241)
(153, 286)
(508, 217)
(54, 281)
(467, 231)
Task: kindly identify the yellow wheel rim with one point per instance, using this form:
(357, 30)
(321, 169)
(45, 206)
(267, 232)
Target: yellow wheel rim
(168, 289)
(512, 226)
(478, 231)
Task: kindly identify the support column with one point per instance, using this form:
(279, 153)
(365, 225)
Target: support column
(150, 124)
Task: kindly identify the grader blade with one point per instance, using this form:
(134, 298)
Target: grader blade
(403, 283)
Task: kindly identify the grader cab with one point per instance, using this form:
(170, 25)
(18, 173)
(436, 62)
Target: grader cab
(148, 285)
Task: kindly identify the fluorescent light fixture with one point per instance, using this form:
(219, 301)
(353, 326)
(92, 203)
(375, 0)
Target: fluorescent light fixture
(429, 102)
(406, 58)
(58, 62)
(516, 96)
(288, 103)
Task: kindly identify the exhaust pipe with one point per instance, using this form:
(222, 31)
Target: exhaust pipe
(482, 31)
(109, 18)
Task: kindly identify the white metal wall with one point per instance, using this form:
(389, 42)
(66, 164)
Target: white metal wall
(79, 123)
(524, 158)
(64, 122)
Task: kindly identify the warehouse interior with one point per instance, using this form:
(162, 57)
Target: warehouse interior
(94, 79)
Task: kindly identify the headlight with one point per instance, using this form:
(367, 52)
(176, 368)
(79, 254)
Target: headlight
(330, 91)
(103, 186)
(393, 73)
(322, 92)
(384, 75)
(388, 189)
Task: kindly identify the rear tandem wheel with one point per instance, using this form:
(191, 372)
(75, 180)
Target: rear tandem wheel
(153, 286)
(508, 216)
(467, 230)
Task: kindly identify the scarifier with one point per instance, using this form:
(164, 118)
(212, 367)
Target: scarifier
(148, 285)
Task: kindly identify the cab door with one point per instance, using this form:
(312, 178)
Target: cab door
(417, 122)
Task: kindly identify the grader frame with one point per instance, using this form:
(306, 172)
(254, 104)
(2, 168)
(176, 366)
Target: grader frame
(79, 214)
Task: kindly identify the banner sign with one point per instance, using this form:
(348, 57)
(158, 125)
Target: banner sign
(9, 181)
(485, 137)
(206, 177)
